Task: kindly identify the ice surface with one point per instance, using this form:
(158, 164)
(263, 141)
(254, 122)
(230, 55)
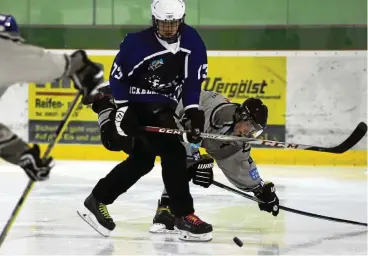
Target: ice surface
(48, 223)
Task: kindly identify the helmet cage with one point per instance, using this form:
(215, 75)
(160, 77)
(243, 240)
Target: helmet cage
(162, 27)
(242, 113)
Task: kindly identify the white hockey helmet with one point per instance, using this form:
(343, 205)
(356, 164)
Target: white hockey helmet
(167, 18)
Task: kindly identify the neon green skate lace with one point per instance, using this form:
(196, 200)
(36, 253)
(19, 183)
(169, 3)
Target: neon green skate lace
(167, 209)
(102, 208)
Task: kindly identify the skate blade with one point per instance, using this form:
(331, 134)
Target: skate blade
(190, 237)
(159, 228)
(91, 220)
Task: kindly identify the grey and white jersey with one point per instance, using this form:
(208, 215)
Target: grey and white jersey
(11, 146)
(27, 63)
(233, 158)
(23, 63)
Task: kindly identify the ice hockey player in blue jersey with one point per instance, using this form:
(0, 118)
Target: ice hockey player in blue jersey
(153, 70)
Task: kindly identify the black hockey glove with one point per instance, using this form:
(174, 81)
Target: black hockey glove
(33, 165)
(88, 73)
(103, 100)
(197, 119)
(102, 91)
(202, 173)
(267, 194)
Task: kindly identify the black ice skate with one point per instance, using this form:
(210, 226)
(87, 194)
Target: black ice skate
(97, 216)
(192, 228)
(164, 220)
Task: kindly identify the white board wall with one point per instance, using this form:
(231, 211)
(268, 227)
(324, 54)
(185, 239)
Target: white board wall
(326, 96)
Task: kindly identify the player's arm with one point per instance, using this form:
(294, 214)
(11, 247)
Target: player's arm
(111, 103)
(16, 151)
(103, 105)
(242, 172)
(221, 114)
(27, 63)
(119, 82)
(195, 73)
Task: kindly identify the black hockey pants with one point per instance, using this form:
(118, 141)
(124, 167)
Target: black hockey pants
(141, 161)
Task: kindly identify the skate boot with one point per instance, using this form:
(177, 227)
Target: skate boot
(192, 228)
(97, 216)
(164, 220)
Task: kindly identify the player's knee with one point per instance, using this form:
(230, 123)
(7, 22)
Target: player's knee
(142, 165)
(115, 143)
(110, 145)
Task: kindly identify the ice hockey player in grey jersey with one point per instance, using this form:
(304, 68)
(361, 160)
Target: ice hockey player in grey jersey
(20, 62)
(222, 117)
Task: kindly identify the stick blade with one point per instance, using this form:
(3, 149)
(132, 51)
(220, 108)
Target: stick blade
(359, 132)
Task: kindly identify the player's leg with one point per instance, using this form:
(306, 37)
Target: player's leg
(200, 170)
(124, 175)
(175, 177)
(117, 182)
(164, 220)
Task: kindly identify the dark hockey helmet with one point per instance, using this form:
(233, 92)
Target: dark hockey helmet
(167, 19)
(9, 27)
(8, 24)
(255, 112)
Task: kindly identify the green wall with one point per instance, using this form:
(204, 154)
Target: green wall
(199, 12)
(223, 24)
(257, 38)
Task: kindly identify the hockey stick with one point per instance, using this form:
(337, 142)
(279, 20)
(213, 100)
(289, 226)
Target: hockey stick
(59, 131)
(351, 141)
(287, 209)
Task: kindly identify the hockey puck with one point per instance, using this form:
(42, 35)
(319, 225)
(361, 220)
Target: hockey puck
(238, 241)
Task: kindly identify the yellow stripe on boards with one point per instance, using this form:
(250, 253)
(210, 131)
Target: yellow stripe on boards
(261, 156)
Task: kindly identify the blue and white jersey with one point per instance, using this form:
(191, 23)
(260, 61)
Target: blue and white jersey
(147, 69)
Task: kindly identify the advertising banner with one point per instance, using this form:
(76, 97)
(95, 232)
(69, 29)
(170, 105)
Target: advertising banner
(237, 78)
(48, 103)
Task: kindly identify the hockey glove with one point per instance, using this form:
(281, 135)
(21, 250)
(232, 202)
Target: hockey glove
(35, 168)
(268, 195)
(103, 100)
(88, 73)
(103, 91)
(202, 173)
(197, 119)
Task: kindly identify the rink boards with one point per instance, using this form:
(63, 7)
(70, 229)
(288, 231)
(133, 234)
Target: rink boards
(314, 98)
